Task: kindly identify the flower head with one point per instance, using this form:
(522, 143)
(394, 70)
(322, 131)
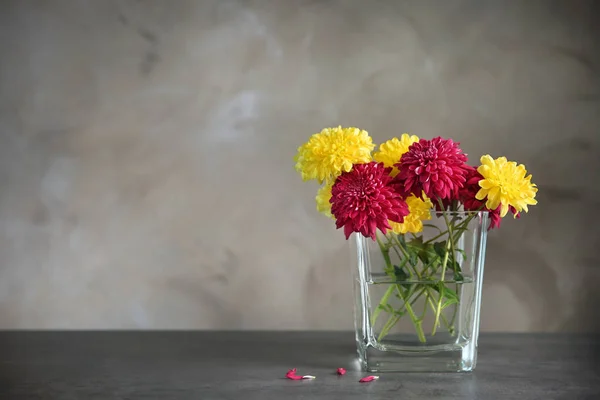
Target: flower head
(505, 184)
(363, 201)
(332, 151)
(419, 211)
(391, 151)
(323, 199)
(435, 167)
(468, 198)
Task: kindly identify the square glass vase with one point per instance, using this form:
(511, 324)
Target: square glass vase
(418, 296)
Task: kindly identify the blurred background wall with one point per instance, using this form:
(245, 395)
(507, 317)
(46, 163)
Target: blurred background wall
(146, 172)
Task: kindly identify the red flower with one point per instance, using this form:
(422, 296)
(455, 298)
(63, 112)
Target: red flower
(436, 167)
(363, 200)
(495, 217)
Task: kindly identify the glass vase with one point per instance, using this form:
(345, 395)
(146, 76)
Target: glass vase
(418, 295)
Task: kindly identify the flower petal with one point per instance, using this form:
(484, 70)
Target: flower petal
(369, 378)
(291, 374)
(485, 184)
(341, 371)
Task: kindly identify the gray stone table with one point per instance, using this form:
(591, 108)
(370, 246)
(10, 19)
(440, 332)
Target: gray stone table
(252, 365)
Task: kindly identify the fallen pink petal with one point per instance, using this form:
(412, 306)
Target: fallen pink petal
(291, 374)
(341, 371)
(369, 378)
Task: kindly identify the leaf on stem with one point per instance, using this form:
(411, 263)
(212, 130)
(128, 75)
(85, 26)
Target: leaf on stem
(440, 248)
(400, 274)
(450, 296)
(413, 259)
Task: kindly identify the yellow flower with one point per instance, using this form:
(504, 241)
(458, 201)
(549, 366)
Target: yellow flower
(505, 183)
(323, 197)
(333, 150)
(420, 210)
(391, 151)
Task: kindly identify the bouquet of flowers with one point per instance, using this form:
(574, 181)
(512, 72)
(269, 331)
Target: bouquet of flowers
(388, 194)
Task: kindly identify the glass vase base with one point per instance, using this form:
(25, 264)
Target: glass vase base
(448, 358)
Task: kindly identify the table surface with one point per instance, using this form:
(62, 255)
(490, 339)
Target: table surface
(252, 365)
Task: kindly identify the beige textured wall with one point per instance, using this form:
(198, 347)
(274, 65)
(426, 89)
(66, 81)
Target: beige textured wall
(146, 174)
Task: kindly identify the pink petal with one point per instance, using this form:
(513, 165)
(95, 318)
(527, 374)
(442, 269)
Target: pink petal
(341, 371)
(369, 378)
(291, 374)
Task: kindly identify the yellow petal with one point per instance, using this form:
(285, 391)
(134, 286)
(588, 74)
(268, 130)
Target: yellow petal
(481, 194)
(503, 210)
(485, 184)
(487, 160)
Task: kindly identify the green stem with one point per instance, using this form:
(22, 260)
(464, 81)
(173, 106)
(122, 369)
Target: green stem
(383, 301)
(384, 252)
(425, 306)
(407, 257)
(459, 226)
(449, 325)
(399, 312)
(391, 244)
(415, 291)
(455, 308)
(449, 247)
(395, 317)
(418, 323)
(441, 290)
(388, 326)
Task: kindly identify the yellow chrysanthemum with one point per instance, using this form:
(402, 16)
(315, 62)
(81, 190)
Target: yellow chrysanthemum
(420, 210)
(391, 151)
(333, 150)
(323, 197)
(505, 183)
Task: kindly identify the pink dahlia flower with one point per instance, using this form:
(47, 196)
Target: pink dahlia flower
(436, 167)
(363, 200)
